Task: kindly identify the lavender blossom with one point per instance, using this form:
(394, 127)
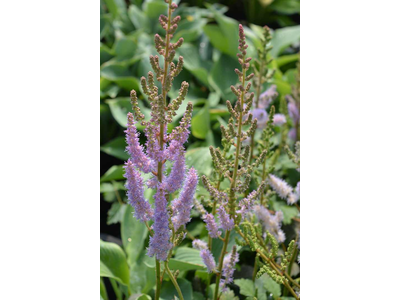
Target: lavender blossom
(208, 260)
(135, 150)
(271, 223)
(279, 119)
(134, 185)
(181, 207)
(230, 261)
(261, 116)
(292, 109)
(280, 186)
(267, 97)
(226, 222)
(292, 134)
(211, 225)
(175, 179)
(159, 242)
(199, 244)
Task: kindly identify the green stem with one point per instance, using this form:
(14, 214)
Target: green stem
(171, 276)
(116, 289)
(220, 264)
(255, 269)
(158, 280)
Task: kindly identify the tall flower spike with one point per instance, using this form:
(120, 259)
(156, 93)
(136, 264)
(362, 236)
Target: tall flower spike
(175, 179)
(159, 242)
(211, 225)
(135, 150)
(270, 223)
(199, 244)
(134, 185)
(181, 207)
(280, 186)
(225, 221)
(230, 261)
(208, 260)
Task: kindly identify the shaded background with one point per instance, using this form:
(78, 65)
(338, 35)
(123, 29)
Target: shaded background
(210, 31)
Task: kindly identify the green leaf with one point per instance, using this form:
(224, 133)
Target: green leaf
(283, 38)
(201, 123)
(113, 262)
(228, 295)
(200, 159)
(168, 290)
(192, 62)
(113, 173)
(133, 235)
(246, 286)
(223, 75)
(120, 74)
(125, 48)
(198, 296)
(271, 286)
(139, 18)
(116, 213)
(116, 148)
(227, 32)
(154, 8)
(287, 59)
(186, 259)
(286, 6)
(141, 297)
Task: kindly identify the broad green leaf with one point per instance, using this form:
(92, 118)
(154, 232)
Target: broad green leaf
(283, 38)
(116, 213)
(113, 262)
(271, 286)
(286, 59)
(213, 99)
(228, 295)
(223, 75)
(228, 28)
(201, 123)
(168, 291)
(246, 286)
(193, 64)
(286, 6)
(140, 297)
(186, 259)
(133, 235)
(116, 148)
(200, 159)
(125, 48)
(154, 8)
(217, 37)
(107, 187)
(113, 173)
(139, 18)
(198, 296)
(120, 74)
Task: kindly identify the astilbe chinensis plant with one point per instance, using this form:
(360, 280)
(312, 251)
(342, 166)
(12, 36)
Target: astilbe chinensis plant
(230, 206)
(169, 217)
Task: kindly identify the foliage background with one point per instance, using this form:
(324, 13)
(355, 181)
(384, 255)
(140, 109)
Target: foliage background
(210, 31)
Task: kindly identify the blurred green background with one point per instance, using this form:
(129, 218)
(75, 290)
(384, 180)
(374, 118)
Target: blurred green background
(210, 31)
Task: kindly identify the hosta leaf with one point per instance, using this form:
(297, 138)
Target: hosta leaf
(113, 262)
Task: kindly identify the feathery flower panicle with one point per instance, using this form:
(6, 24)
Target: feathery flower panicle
(230, 260)
(279, 119)
(134, 186)
(208, 260)
(199, 244)
(280, 186)
(247, 203)
(181, 206)
(211, 225)
(135, 150)
(159, 242)
(271, 223)
(226, 222)
(261, 116)
(176, 176)
(267, 97)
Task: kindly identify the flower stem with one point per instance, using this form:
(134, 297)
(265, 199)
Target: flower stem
(220, 265)
(171, 276)
(158, 280)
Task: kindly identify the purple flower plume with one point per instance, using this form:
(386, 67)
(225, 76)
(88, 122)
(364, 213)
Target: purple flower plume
(225, 221)
(135, 150)
(230, 261)
(181, 206)
(211, 225)
(271, 223)
(208, 260)
(199, 244)
(159, 242)
(279, 119)
(134, 185)
(177, 175)
(267, 97)
(261, 116)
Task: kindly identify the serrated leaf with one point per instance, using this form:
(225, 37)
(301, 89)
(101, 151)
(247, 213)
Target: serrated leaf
(116, 213)
(168, 290)
(271, 286)
(246, 286)
(200, 159)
